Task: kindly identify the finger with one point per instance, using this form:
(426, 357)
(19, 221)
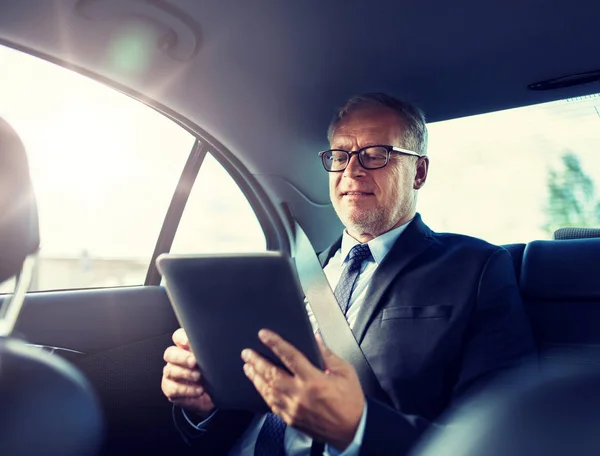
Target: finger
(179, 356)
(263, 366)
(179, 373)
(273, 375)
(177, 391)
(289, 355)
(272, 396)
(180, 339)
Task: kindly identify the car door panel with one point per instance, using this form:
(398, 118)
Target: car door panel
(116, 337)
(98, 319)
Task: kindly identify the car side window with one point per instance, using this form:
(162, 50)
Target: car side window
(217, 218)
(104, 168)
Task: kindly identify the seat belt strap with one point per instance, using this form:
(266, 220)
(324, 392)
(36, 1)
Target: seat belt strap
(333, 325)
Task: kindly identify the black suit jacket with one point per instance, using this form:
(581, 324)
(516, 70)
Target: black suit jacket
(442, 316)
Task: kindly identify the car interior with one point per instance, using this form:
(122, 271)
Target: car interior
(254, 85)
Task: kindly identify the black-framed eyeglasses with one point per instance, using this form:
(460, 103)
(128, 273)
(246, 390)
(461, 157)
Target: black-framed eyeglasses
(371, 157)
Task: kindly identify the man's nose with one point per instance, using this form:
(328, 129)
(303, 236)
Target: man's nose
(354, 167)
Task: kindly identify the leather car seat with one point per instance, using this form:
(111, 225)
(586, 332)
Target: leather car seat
(46, 406)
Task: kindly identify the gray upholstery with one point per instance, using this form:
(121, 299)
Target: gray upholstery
(576, 233)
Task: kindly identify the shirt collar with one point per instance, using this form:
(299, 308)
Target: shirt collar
(380, 246)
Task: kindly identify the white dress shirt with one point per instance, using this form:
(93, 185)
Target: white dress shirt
(297, 443)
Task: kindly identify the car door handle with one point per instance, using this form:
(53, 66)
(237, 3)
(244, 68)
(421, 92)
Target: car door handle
(65, 352)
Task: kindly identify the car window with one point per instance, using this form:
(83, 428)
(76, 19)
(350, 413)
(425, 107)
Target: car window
(104, 168)
(515, 175)
(217, 217)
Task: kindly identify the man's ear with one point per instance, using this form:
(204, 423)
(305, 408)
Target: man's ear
(422, 168)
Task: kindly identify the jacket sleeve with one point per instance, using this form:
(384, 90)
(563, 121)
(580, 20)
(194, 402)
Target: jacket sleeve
(218, 435)
(497, 338)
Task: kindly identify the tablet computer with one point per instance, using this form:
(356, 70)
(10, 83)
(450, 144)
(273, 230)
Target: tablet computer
(222, 301)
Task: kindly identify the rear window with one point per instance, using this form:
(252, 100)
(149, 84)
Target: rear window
(515, 175)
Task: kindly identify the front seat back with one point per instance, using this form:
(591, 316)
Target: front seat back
(19, 235)
(541, 415)
(46, 406)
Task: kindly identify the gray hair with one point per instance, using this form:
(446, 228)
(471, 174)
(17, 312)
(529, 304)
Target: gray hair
(414, 131)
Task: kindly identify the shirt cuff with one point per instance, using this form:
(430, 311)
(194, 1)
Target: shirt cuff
(201, 426)
(354, 447)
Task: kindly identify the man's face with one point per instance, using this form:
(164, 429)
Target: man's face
(372, 202)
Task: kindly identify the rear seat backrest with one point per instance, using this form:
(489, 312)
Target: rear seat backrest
(516, 253)
(560, 285)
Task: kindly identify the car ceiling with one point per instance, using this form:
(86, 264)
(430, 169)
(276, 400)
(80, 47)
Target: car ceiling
(265, 76)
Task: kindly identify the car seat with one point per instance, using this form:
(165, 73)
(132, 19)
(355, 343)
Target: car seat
(46, 406)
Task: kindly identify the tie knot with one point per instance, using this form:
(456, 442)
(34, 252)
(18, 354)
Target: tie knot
(359, 253)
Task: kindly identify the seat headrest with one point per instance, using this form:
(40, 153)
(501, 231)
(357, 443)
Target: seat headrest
(576, 233)
(19, 231)
(561, 270)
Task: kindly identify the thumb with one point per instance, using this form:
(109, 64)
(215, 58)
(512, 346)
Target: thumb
(181, 340)
(331, 361)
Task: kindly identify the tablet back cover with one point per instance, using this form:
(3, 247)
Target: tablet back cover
(222, 301)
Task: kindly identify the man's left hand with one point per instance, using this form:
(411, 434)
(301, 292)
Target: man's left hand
(326, 405)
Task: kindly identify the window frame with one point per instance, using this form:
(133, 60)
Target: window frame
(274, 228)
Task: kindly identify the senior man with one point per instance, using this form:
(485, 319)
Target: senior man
(436, 315)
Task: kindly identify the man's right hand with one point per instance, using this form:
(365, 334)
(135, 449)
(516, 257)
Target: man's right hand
(181, 381)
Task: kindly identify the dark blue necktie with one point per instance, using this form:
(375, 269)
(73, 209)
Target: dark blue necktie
(271, 439)
(344, 288)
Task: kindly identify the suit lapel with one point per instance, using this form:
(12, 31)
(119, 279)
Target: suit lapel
(326, 254)
(413, 242)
